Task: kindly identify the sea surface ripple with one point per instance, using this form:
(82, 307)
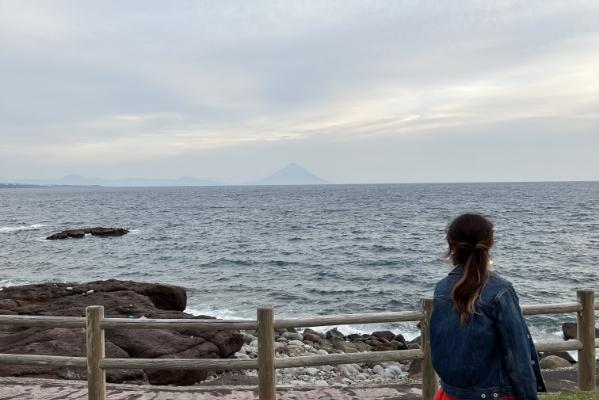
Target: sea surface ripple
(305, 249)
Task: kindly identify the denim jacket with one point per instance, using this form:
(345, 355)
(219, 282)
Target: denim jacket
(490, 356)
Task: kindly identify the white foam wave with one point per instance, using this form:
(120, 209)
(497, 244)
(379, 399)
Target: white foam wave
(135, 231)
(222, 313)
(10, 229)
(409, 331)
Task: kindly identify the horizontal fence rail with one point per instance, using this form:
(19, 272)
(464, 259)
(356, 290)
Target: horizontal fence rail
(97, 363)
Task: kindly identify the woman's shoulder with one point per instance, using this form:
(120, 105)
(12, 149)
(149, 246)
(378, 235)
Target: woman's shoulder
(495, 287)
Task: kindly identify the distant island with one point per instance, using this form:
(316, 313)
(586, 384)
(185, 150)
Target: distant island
(15, 186)
(292, 174)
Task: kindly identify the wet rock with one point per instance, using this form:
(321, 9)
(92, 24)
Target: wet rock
(80, 233)
(334, 334)
(387, 335)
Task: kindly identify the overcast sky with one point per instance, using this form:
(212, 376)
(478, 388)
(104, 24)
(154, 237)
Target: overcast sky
(354, 91)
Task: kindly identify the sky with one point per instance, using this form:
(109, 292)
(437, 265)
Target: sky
(353, 91)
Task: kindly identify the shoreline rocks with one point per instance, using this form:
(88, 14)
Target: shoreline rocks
(80, 233)
(123, 299)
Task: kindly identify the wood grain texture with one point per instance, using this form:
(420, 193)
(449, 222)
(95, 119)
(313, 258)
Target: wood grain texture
(42, 321)
(586, 334)
(266, 354)
(55, 361)
(94, 334)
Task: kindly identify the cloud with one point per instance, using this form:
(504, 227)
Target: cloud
(87, 83)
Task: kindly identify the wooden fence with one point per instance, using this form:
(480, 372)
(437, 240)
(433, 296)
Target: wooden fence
(95, 323)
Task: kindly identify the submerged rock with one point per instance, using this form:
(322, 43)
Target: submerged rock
(79, 233)
(120, 299)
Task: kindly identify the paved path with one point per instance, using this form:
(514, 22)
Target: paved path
(48, 389)
(45, 389)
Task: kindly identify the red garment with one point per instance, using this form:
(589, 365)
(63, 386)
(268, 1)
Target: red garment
(441, 395)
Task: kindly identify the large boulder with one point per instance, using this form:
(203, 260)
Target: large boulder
(123, 299)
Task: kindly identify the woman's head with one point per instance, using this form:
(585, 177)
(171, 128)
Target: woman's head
(470, 238)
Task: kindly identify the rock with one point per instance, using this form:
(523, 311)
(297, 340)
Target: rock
(386, 347)
(569, 330)
(417, 340)
(348, 370)
(413, 346)
(293, 336)
(312, 371)
(279, 347)
(79, 233)
(554, 362)
(312, 331)
(398, 345)
(379, 370)
(373, 342)
(354, 336)
(297, 343)
(334, 334)
(388, 335)
(247, 338)
(346, 347)
(122, 299)
(361, 346)
(241, 356)
(312, 337)
(400, 338)
(415, 368)
(562, 354)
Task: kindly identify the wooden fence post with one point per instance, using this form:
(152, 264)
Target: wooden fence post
(429, 377)
(266, 354)
(95, 351)
(586, 334)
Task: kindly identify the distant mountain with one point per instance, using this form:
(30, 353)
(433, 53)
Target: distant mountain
(292, 174)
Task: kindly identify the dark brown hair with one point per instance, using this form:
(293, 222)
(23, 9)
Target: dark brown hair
(470, 237)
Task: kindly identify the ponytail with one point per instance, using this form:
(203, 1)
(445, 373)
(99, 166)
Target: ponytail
(470, 238)
(467, 290)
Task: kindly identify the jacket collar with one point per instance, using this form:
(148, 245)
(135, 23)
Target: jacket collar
(456, 270)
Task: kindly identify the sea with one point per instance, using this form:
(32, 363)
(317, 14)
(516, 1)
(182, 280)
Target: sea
(306, 250)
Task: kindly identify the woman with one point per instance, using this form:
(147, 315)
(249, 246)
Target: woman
(481, 347)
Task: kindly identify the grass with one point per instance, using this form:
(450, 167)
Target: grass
(572, 396)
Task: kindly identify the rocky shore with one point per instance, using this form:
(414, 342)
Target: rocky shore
(122, 299)
(293, 343)
(145, 300)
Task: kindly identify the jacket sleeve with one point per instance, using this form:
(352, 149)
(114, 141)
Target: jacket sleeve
(515, 342)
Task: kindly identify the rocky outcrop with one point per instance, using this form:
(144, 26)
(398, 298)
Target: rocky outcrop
(120, 299)
(79, 233)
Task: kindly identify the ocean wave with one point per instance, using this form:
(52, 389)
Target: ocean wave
(11, 229)
(383, 249)
(220, 313)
